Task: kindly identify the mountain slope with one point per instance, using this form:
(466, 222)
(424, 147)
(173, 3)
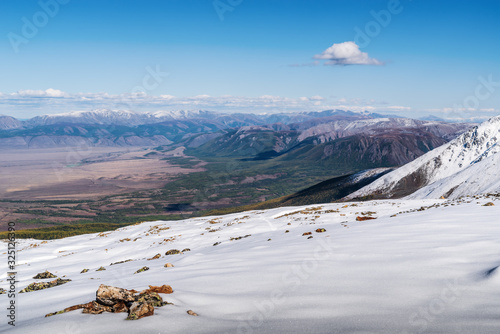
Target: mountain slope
(431, 270)
(479, 178)
(9, 123)
(461, 153)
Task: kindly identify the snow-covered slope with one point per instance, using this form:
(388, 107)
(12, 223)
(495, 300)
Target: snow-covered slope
(421, 266)
(449, 159)
(479, 178)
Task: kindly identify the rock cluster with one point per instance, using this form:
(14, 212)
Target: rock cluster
(45, 274)
(115, 300)
(44, 285)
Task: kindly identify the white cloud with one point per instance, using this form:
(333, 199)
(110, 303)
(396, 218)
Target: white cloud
(346, 53)
(41, 93)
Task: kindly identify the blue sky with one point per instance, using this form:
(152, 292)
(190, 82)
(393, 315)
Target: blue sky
(427, 57)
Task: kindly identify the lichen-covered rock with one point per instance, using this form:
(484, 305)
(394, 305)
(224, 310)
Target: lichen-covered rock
(320, 230)
(45, 274)
(101, 269)
(168, 265)
(173, 252)
(44, 285)
(115, 300)
(84, 271)
(140, 310)
(110, 295)
(142, 270)
(150, 298)
(157, 256)
(96, 308)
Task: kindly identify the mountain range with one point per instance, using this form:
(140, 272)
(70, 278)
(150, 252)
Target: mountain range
(467, 165)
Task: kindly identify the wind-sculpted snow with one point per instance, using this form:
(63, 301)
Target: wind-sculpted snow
(392, 266)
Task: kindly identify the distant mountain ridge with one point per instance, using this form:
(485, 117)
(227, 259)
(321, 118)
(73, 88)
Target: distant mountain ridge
(194, 128)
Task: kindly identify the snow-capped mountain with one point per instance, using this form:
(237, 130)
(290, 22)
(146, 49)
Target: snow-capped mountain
(457, 160)
(98, 116)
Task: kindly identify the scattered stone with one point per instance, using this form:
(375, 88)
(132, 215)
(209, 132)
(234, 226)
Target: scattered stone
(239, 238)
(489, 204)
(157, 256)
(168, 265)
(3, 291)
(268, 239)
(101, 269)
(142, 270)
(287, 231)
(45, 274)
(320, 230)
(217, 243)
(310, 237)
(186, 250)
(191, 312)
(84, 271)
(360, 219)
(44, 285)
(119, 262)
(173, 252)
(306, 233)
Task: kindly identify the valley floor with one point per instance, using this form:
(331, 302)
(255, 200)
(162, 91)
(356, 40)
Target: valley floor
(422, 266)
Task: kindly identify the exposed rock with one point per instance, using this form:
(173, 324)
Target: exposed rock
(120, 262)
(116, 300)
(320, 230)
(191, 312)
(44, 285)
(167, 289)
(110, 295)
(140, 310)
(310, 237)
(360, 218)
(186, 250)
(45, 274)
(101, 269)
(168, 265)
(2, 291)
(142, 270)
(157, 256)
(217, 243)
(173, 252)
(489, 204)
(306, 233)
(84, 271)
